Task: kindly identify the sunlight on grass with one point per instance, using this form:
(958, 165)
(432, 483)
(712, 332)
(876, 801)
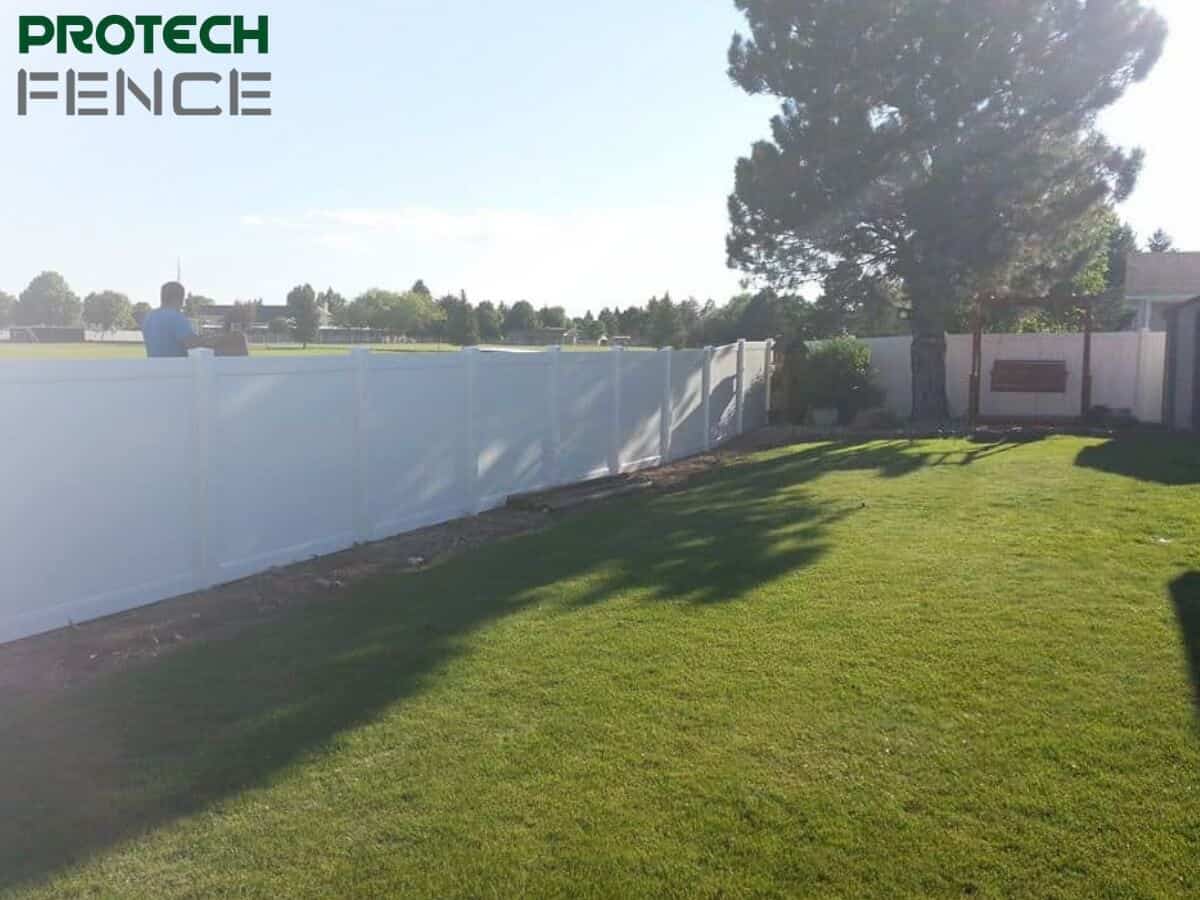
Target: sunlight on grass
(897, 668)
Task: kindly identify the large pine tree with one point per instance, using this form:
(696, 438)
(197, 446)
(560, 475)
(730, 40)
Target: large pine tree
(949, 144)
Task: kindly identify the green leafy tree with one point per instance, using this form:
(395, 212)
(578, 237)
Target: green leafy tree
(140, 310)
(108, 310)
(1096, 250)
(664, 328)
(552, 317)
(1122, 241)
(590, 328)
(1161, 242)
(420, 288)
(489, 321)
(279, 325)
(948, 145)
(633, 322)
(521, 317)
(304, 312)
(461, 325)
(8, 307)
(411, 313)
(195, 304)
(608, 322)
(48, 300)
(334, 304)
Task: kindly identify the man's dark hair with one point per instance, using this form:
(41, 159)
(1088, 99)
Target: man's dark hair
(172, 294)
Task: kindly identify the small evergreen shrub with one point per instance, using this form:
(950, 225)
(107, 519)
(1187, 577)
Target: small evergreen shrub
(834, 375)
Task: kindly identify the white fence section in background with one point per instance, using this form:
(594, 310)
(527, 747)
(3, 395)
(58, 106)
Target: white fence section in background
(129, 481)
(99, 337)
(1127, 373)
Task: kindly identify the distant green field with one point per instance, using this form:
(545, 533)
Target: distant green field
(135, 351)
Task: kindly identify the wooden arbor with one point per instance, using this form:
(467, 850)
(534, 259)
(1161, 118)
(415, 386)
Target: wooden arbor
(1029, 376)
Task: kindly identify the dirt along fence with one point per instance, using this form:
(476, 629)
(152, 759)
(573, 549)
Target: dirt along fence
(130, 481)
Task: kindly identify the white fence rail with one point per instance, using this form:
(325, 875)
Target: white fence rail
(1127, 373)
(129, 481)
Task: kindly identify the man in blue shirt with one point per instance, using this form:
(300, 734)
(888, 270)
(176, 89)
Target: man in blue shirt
(166, 331)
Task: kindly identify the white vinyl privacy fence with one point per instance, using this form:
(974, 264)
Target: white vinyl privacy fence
(1127, 373)
(129, 481)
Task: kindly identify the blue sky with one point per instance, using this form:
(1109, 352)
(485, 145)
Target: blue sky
(556, 152)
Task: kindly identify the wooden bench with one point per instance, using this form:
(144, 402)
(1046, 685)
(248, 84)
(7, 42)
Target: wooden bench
(1018, 376)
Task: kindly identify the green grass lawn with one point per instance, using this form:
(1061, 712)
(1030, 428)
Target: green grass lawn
(893, 669)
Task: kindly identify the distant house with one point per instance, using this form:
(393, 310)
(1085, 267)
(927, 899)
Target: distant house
(542, 337)
(215, 318)
(1157, 282)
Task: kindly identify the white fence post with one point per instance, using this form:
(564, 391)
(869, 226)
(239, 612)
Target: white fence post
(769, 367)
(469, 451)
(203, 570)
(361, 356)
(614, 444)
(741, 386)
(666, 417)
(553, 451)
(706, 390)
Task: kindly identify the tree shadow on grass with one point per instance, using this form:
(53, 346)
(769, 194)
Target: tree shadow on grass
(1161, 458)
(85, 769)
(1185, 596)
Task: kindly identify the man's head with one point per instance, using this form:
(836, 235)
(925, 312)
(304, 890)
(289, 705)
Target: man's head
(172, 295)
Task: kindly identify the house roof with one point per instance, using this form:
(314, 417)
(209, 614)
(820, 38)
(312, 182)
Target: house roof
(1163, 276)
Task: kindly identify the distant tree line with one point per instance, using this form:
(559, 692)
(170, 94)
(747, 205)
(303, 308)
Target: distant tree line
(849, 302)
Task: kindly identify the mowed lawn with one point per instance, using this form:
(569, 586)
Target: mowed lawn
(893, 669)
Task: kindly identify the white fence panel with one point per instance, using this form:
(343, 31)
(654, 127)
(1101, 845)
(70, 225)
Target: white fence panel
(891, 358)
(1151, 376)
(756, 413)
(98, 490)
(687, 402)
(585, 404)
(136, 480)
(642, 378)
(723, 394)
(282, 472)
(511, 424)
(415, 430)
(958, 373)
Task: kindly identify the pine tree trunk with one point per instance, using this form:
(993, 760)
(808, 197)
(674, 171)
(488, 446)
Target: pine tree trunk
(930, 405)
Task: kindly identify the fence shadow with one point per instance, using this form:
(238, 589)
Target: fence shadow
(1160, 458)
(85, 769)
(1185, 597)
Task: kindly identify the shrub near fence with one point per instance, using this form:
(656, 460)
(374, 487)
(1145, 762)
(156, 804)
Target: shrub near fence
(135, 480)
